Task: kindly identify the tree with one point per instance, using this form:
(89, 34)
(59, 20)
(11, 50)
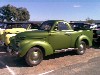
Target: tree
(12, 13)
(88, 20)
(23, 14)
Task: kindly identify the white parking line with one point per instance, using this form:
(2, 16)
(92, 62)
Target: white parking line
(46, 72)
(3, 52)
(8, 68)
(11, 71)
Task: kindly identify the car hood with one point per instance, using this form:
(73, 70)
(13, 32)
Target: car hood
(14, 30)
(32, 34)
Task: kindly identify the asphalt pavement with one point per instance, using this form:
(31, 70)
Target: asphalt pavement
(67, 63)
(92, 67)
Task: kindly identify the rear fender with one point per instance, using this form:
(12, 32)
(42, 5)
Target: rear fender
(83, 38)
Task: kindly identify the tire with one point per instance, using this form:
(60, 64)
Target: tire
(34, 56)
(82, 48)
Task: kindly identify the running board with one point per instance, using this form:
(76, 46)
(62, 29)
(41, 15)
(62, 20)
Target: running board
(64, 50)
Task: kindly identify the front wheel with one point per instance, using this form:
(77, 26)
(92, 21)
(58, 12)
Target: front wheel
(82, 48)
(34, 56)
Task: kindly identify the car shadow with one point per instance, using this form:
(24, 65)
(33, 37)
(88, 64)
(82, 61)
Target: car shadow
(96, 45)
(62, 54)
(7, 59)
(13, 61)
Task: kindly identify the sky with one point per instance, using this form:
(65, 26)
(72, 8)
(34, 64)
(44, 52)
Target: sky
(69, 10)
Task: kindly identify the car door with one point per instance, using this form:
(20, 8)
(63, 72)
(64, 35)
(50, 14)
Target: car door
(59, 38)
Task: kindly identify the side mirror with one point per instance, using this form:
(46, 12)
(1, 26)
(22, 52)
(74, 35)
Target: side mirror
(55, 28)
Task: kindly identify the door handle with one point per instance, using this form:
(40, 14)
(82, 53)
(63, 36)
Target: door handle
(67, 34)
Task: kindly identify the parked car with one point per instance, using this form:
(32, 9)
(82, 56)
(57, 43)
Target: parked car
(80, 26)
(12, 28)
(53, 36)
(93, 26)
(96, 34)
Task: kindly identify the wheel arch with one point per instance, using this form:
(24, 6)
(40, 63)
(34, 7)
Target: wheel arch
(85, 39)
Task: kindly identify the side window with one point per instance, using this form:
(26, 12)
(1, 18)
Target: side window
(62, 26)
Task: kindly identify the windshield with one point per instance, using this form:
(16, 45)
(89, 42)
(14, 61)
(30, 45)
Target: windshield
(47, 25)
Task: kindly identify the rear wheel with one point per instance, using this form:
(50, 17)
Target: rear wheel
(82, 48)
(34, 56)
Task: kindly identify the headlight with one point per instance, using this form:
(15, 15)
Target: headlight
(18, 44)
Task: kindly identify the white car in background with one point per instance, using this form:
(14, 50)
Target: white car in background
(93, 26)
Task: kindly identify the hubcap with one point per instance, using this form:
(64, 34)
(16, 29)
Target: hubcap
(81, 48)
(35, 56)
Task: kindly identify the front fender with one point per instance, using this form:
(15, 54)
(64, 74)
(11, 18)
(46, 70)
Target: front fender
(82, 38)
(26, 46)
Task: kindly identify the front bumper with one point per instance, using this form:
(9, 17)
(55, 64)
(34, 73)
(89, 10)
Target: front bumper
(20, 47)
(16, 53)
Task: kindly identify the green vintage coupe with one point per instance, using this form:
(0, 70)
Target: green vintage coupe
(53, 36)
